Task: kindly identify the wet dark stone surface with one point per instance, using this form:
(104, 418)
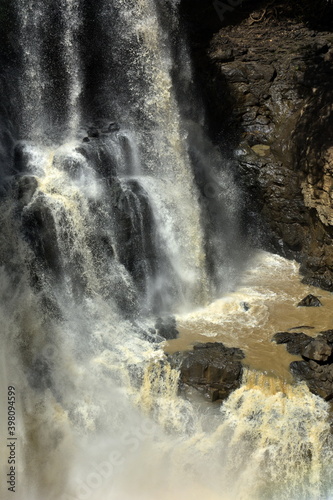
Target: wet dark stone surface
(212, 368)
(316, 367)
(295, 342)
(38, 229)
(266, 80)
(310, 301)
(167, 327)
(26, 188)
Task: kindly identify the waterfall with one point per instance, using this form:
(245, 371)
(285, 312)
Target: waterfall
(44, 70)
(31, 17)
(118, 209)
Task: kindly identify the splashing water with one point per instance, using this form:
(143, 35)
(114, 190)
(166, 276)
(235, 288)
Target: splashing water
(97, 237)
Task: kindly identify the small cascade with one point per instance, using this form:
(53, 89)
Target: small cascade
(279, 437)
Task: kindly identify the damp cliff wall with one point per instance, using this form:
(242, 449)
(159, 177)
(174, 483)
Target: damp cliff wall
(265, 72)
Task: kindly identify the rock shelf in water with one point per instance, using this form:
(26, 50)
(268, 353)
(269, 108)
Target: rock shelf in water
(211, 368)
(316, 367)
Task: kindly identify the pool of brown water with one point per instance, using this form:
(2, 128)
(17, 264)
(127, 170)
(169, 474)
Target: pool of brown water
(265, 302)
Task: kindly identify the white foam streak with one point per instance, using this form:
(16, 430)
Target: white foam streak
(72, 22)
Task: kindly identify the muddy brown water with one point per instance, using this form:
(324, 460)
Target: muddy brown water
(271, 289)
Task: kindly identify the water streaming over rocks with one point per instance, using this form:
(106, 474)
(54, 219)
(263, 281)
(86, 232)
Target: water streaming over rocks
(117, 208)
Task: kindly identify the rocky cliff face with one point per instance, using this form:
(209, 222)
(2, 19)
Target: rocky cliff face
(268, 83)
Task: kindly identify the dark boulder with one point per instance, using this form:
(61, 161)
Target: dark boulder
(296, 342)
(166, 327)
(316, 368)
(212, 368)
(318, 377)
(21, 157)
(310, 301)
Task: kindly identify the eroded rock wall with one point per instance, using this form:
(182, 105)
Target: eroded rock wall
(268, 85)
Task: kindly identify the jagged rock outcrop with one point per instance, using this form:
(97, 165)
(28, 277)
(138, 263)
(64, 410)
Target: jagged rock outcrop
(316, 367)
(267, 83)
(212, 368)
(279, 77)
(295, 342)
(310, 301)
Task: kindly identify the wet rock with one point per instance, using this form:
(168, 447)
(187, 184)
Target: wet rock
(39, 230)
(316, 368)
(223, 55)
(271, 99)
(211, 368)
(93, 132)
(153, 337)
(149, 334)
(317, 350)
(326, 335)
(85, 139)
(310, 301)
(26, 188)
(113, 127)
(166, 327)
(21, 156)
(229, 351)
(134, 244)
(103, 160)
(318, 378)
(245, 306)
(296, 342)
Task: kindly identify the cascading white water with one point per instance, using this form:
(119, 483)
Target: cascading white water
(97, 235)
(165, 158)
(37, 122)
(31, 20)
(70, 10)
